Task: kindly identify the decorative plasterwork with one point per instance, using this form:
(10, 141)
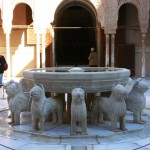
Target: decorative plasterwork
(111, 16)
(7, 15)
(0, 4)
(137, 2)
(99, 5)
(144, 15)
(105, 11)
(29, 2)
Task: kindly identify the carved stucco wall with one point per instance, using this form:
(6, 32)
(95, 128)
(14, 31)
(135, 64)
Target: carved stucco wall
(100, 7)
(111, 16)
(41, 13)
(0, 4)
(144, 15)
(106, 11)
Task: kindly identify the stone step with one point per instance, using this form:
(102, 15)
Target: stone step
(78, 148)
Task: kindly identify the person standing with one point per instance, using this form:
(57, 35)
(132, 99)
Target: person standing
(3, 67)
(93, 58)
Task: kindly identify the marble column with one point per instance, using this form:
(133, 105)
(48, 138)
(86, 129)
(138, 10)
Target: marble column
(112, 50)
(98, 44)
(89, 100)
(53, 45)
(43, 51)
(69, 99)
(38, 51)
(107, 51)
(143, 55)
(8, 54)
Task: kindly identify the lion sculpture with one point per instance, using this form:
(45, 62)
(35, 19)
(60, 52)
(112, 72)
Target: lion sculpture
(136, 101)
(26, 84)
(41, 107)
(6, 84)
(23, 84)
(78, 111)
(114, 107)
(17, 101)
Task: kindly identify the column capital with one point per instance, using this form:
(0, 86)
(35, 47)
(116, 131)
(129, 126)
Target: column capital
(143, 35)
(7, 30)
(107, 51)
(40, 30)
(98, 25)
(109, 31)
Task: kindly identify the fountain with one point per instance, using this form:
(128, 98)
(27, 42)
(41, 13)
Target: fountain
(91, 79)
(63, 80)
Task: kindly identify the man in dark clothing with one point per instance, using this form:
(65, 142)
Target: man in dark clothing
(3, 67)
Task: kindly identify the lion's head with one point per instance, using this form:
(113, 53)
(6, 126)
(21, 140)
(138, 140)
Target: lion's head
(6, 84)
(13, 89)
(78, 94)
(140, 86)
(119, 91)
(37, 92)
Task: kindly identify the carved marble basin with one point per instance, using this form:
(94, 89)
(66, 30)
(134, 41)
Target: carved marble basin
(64, 79)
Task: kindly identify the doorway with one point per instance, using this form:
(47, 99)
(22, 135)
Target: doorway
(75, 34)
(127, 36)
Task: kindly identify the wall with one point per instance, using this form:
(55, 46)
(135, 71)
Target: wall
(47, 12)
(134, 37)
(23, 56)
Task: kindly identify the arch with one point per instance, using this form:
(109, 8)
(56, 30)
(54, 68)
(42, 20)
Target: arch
(28, 9)
(126, 43)
(68, 3)
(134, 2)
(29, 3)
(74, 42)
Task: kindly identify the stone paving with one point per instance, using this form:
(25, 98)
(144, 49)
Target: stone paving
(99, 137)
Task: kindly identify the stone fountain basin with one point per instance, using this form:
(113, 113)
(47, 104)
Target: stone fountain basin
(93, 79)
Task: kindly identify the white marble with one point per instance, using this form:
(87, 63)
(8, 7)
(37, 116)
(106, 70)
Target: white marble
(45, 147)
(135, 137)
(118, 146)
(93, 79)
(143, 142)
(11, 143)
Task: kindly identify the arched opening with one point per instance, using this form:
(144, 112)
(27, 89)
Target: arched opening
(75, 33)
(21, 49)
(126, 41)
(22, 15)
